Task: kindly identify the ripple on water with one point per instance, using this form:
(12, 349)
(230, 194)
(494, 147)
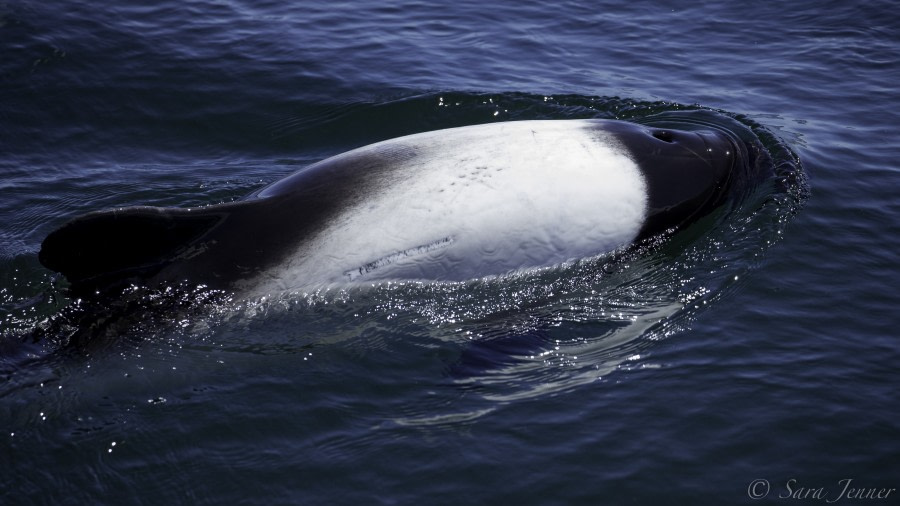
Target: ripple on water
(485, 342)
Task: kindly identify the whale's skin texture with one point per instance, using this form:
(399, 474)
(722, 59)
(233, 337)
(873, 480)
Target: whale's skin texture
(446, 205)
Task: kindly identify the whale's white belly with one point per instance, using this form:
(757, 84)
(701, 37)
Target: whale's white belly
(476, 202)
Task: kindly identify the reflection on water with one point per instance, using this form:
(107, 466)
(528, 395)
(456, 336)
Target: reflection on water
(496, 340)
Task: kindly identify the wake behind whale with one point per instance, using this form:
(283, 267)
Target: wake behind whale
(350, 244)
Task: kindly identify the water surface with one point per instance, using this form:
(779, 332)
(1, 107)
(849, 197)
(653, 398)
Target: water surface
(760, 344)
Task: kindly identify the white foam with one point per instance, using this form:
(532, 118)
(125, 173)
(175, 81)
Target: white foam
(481, 201)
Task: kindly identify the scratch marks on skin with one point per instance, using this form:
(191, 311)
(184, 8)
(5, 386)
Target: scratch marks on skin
(478, 174)
(478, 201)
(354, 274)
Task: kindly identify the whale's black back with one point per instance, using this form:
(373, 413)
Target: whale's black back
(216, 245)
(97, 248)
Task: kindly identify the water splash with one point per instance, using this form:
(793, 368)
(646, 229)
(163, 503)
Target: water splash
(499, 339)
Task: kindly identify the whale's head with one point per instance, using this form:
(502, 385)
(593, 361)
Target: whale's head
(687, 173)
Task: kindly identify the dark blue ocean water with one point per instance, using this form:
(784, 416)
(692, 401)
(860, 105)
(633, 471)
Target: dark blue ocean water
(759, 346)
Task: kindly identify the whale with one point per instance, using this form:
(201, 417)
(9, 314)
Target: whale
(447, 205)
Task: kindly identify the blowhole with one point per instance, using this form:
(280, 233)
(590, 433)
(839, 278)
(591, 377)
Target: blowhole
(664, 135)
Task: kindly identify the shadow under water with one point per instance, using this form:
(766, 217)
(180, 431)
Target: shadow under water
(498, 339)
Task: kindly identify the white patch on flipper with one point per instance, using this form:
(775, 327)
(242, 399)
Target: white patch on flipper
(510, 195)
